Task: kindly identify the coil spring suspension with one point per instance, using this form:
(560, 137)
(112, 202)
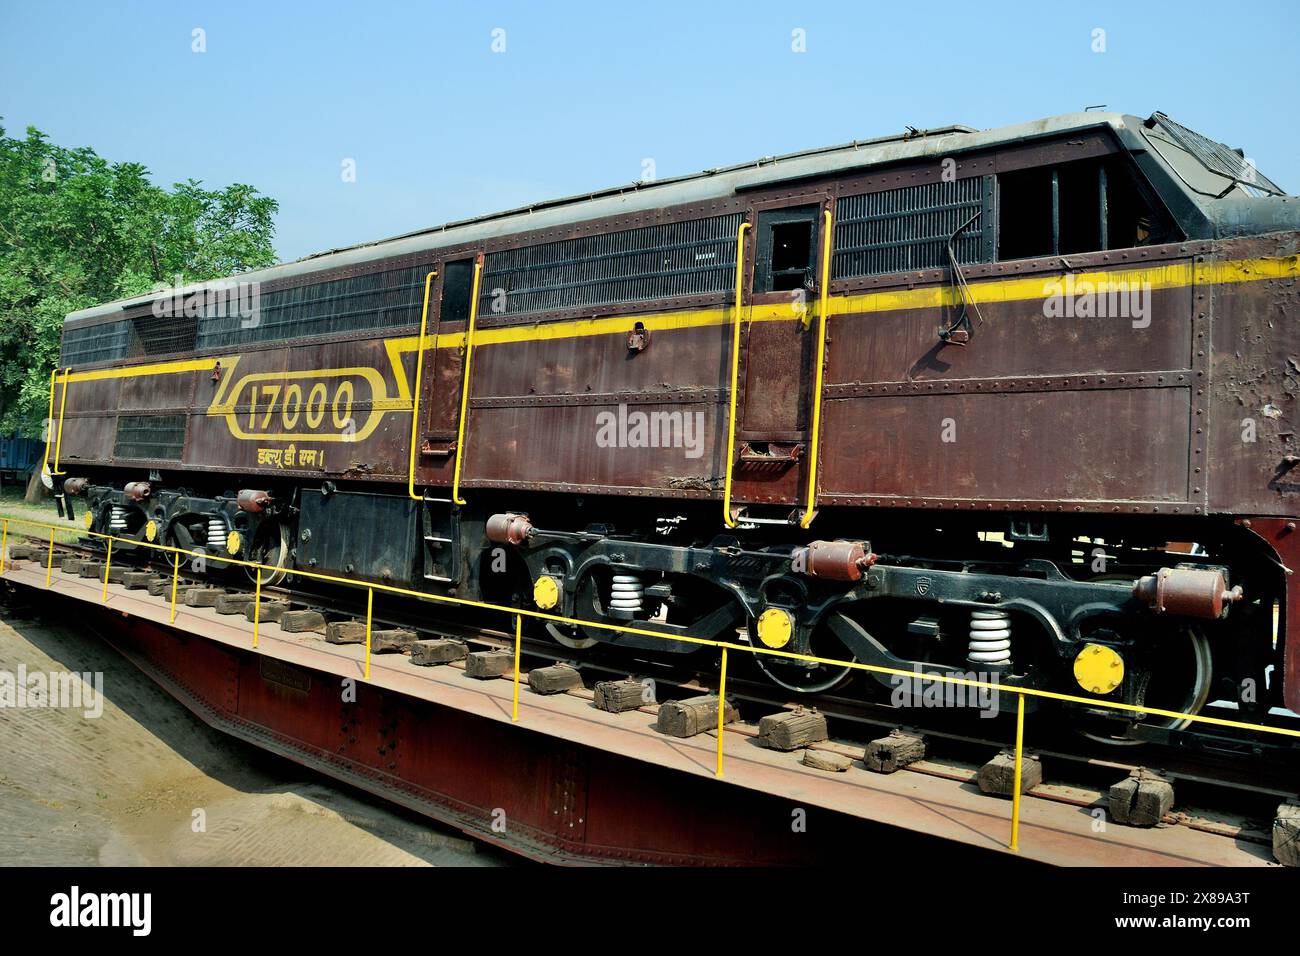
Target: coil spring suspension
(117, 519)
(216, 533)
(626, 595)
(990, 638)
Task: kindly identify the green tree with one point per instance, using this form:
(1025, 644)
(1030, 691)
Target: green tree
(77, 230)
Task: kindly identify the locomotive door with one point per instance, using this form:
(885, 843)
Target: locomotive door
(778, 351)
(436, 431)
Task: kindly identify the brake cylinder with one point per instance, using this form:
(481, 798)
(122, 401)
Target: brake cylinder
(138, 490)
(1187, 592)
(835, 560)
(509, 528)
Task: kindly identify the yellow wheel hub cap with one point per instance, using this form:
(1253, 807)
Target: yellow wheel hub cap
(151, 531)
(234, 542)
(546, 593)
(775, 626)
(88, 519)
(1098, 669)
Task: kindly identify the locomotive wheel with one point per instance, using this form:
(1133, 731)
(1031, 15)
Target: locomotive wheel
(795, 676)
(1176, 675)
(271, 547)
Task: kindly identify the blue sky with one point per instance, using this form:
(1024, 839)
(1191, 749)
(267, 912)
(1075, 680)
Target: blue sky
(441, 127)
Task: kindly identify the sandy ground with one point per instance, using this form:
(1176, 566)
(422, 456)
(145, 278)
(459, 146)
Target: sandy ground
(124, 788)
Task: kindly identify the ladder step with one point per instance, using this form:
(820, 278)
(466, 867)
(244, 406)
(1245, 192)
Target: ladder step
(437, 577)
(434, 537)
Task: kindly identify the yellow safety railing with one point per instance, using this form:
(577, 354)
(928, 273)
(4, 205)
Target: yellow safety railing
(419, 378)
(722, 706)
(257, 607)
(108, 566)
(735, 375)
(176, 574)
(464, 387)
(724, 646)
(370, 615)
(1014, 845)
(819, 372)
(519, 634)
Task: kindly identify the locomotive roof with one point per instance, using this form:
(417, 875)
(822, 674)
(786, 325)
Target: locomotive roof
(639, 196)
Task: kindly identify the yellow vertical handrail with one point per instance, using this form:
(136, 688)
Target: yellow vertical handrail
(63, 404)
(49, 561)
(464, 386)
(519, 630)
(176, 573)
(419, 375)
(49, 422)
(108, 566)
(722, 706)
(818, 374)
(4, 545)
(257, 607)
(370, 609)
(1015, 785)
(735, 375)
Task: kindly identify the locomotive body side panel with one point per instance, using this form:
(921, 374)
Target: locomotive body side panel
(1253, 432)
(1023, 415)
(586, 410)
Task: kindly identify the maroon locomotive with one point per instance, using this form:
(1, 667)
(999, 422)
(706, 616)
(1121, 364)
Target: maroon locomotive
(1018, 401)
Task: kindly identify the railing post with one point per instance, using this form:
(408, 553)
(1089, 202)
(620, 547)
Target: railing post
(49, 560)
(1015, 784)
(257, 607)
(176, 573)
(4, 545)
(370, 607)
(108, 566)
(722, 705)
(519, 630)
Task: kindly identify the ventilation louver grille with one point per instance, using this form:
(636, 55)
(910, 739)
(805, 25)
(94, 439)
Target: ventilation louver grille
(95, 343)
(665, 261)
(906, 229)
(150, 437)
(375, 300)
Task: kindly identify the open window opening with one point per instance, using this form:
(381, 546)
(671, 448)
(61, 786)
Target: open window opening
(786, 249)
(457, 287)
(1085, 206)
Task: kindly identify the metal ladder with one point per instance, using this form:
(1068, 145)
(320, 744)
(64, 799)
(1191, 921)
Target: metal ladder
(441, 539)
